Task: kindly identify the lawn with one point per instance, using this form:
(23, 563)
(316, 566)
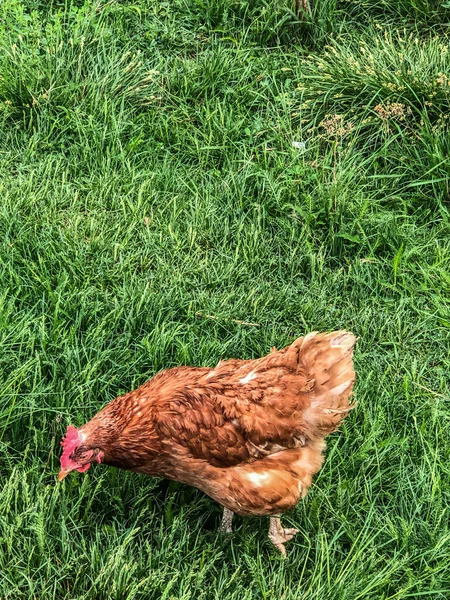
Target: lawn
(154, 211)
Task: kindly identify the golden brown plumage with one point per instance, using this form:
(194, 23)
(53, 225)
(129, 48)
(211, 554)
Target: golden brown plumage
(249, 433)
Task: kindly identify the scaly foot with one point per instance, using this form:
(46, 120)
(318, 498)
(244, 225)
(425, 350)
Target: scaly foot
(278, 535)
(227, 519)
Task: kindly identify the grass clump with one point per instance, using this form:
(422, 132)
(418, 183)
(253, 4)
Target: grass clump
(149, 182)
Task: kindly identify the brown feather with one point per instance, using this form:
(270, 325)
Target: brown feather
(250, 433)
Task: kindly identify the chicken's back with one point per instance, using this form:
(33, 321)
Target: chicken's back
(292, 395)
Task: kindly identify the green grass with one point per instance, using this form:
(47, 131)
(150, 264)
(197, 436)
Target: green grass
(151, 200)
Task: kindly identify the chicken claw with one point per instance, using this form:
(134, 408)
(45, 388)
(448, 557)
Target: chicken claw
(278, 535)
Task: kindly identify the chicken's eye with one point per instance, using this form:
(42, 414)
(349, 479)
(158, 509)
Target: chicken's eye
(83, 456)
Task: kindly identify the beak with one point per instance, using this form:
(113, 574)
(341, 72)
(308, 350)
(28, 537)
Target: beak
(62, 474)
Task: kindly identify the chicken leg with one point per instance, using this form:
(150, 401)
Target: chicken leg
(279, 536)
(227, 519)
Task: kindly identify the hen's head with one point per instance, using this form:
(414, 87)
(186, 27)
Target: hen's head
(78, 454)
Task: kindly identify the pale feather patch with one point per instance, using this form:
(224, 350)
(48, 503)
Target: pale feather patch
(250, 377)
(340, 389)
(257, 478)
(332, 411)
(344, 339)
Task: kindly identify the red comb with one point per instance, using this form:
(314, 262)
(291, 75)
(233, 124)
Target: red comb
(69, 442)
(71, 436)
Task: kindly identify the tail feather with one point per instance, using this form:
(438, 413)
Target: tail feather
(328, 360)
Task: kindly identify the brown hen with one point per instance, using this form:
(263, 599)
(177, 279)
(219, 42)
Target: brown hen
(249, 433)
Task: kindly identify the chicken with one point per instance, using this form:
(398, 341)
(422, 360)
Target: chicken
(249, 433)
